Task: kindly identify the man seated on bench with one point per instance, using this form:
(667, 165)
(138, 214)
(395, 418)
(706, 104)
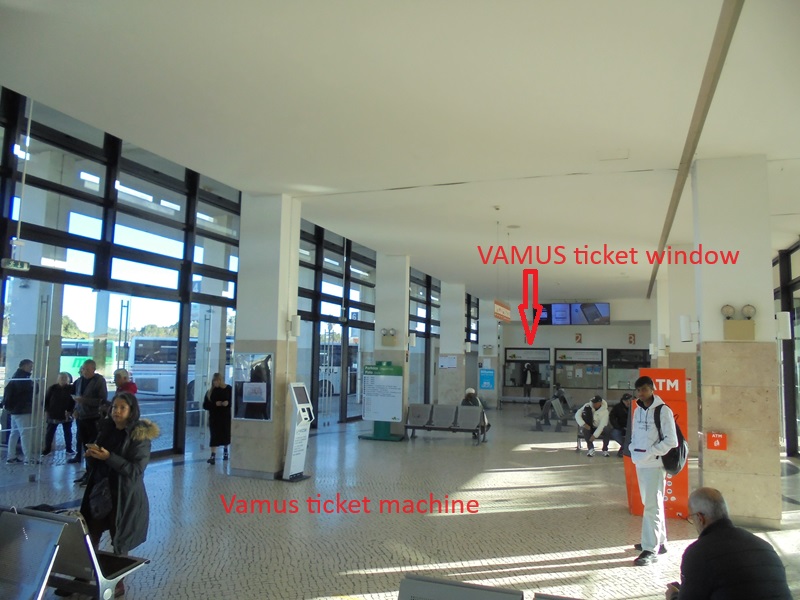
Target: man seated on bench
(115, 498)
(471, 399)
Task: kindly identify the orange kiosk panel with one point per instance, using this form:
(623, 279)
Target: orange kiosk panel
(670, 386)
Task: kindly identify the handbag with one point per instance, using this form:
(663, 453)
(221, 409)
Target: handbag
(100, 499)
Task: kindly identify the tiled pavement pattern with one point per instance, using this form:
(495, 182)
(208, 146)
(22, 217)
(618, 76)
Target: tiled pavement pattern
(549, 520)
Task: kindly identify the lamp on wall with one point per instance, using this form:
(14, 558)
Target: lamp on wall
(388, 336)
(748, 311)
(293, 326)
(727, 311)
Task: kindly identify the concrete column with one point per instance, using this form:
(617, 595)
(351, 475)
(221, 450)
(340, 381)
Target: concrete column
(391, 313)
(683, 354)
(489, 357)
(452, 381)
(739, 393)
(268, 277)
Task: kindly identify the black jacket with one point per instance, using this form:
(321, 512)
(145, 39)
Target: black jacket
(618, 416)
(58, 400)
(730, 563)
(94, 392)
(132, 516)
(18, 395)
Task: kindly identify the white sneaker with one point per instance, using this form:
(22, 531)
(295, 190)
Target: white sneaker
(590, 452)
(605, 454)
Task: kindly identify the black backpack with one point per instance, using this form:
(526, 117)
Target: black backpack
(676, 458)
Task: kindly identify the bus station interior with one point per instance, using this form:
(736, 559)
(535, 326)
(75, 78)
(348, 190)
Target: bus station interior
(322, 187)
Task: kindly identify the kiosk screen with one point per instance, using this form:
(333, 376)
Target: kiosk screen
(300, 394)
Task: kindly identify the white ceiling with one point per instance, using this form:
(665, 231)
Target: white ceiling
(520, 103)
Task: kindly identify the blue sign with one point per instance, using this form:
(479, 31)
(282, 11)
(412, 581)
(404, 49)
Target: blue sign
(487, 379)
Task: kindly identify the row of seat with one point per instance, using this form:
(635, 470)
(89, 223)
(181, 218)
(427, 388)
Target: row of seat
(44, 549)
(446, 417)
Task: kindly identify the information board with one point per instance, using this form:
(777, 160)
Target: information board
(383, 393)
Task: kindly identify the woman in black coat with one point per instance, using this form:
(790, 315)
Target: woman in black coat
(121, 454)
(218, 404)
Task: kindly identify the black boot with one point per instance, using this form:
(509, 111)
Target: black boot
(213, 459)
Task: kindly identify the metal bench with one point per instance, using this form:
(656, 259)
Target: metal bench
(446, 417)
(78, 567)
(28, 548)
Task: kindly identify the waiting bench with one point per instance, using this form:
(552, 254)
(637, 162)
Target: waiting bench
(446, 417)
(77, 566)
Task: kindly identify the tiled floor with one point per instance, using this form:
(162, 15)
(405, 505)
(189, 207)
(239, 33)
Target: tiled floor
(549, 520)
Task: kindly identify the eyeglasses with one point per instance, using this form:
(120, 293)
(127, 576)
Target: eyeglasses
(690, 518)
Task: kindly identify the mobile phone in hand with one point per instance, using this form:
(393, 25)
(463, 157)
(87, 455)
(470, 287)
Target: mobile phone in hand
(93, 446)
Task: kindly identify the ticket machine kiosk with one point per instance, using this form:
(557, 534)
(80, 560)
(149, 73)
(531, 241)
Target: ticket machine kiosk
(301, 417)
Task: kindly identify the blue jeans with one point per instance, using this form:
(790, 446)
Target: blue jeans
(609, 433)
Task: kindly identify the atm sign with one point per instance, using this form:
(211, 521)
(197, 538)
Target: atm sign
(716, 441)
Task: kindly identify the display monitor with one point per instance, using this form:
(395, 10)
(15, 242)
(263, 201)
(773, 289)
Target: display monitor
(547, 314)
(560, 314)
(300, 394)
(590, 313)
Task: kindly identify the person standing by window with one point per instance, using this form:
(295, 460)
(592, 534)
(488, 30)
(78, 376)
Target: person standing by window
(59, 404)
(218, 404)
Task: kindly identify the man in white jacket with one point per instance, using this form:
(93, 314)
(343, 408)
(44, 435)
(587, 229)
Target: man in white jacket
(646, 450)
(599, 420)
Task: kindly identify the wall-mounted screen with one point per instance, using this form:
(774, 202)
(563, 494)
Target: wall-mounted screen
(546, 317)
(590, 313)
(559, 314)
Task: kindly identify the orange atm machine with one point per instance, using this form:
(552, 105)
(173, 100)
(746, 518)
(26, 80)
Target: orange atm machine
(670, 386)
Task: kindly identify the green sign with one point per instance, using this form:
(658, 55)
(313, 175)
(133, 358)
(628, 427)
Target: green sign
(383, 368)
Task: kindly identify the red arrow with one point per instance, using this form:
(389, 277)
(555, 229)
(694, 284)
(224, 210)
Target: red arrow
(530, 281)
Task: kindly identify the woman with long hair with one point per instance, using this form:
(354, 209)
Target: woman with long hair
(115, 499)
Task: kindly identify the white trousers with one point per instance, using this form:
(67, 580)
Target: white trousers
(651, 489)
(20, 429)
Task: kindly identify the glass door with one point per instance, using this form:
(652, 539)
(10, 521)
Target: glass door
(330, 373)
(25, 368)
(361, 352)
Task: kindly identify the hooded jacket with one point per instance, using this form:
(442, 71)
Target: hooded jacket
(645, 447)
(18, 394)
(132, 517)
(600, 417)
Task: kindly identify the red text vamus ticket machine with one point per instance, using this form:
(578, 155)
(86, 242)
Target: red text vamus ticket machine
(301, 417)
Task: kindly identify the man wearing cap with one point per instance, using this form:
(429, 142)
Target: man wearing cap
(617, 423)
(646, 449)
(592, 419)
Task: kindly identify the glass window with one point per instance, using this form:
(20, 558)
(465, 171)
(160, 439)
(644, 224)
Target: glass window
(328, 308)
(216, 254)
(152, 161)
(59, 212)
(217, 220)
(435, 313)
(56, 257)
(362, 293)
(417, 309)
(304, 304)
(126, 270)
(59, 166)
(358, 314)
(332, 285)
(134, 232)
(72, 127)
(776, 276)
(308, 252)
(203, 284)
(132, 191)
(364, 251)
(335, 238)
(417, 292)
(306, 278)
(213, 186)
(795, 260)
(307, 226)
(333, 262)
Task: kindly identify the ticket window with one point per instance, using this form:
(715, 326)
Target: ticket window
(514, 374)
(623, 367)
